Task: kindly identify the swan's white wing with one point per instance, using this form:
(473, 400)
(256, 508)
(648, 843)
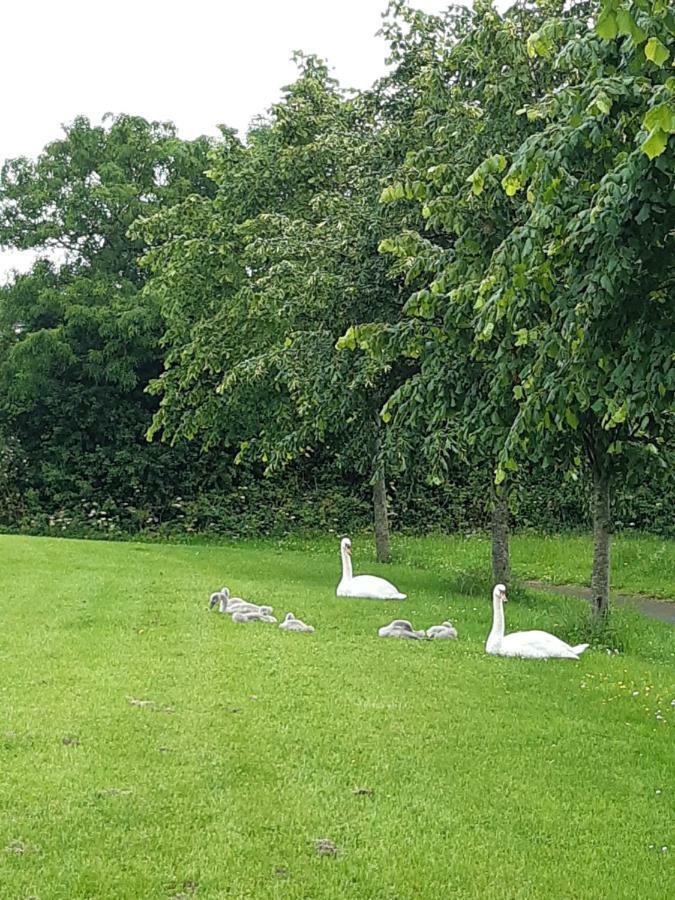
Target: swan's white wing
(536, 645)
(370, 586)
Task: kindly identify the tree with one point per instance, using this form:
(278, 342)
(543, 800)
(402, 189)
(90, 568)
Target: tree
(77, 345)
(470, 78)
(579, 292)
(276, 268)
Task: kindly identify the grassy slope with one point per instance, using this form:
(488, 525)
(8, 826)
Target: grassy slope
(492, 778)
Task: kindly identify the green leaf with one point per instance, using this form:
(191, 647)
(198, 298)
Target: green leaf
(606, 26)
(392, 192)
(572, 420)
(500, 475)
(388, 245)
(661, 116)
(486, 333)
(477, 182)
(512, 183)
(347, 341)
(620, 414)
(643, 214)
(626, 24)
(624, 21)
(655, 51)
(601, 103)
(539, 44)
(655, 143)
(419, 190)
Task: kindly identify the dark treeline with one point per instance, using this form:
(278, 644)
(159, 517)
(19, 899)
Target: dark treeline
(443, 302)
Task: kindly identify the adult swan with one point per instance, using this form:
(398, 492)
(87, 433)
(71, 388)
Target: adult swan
(368, 586)
(526, 644)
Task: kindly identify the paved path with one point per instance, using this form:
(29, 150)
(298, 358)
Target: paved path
(663, 610)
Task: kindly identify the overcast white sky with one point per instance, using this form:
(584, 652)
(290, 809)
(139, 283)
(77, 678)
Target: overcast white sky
(197, 63)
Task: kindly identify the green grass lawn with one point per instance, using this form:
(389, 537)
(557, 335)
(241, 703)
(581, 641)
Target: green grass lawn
(640, 564)
(482, 777)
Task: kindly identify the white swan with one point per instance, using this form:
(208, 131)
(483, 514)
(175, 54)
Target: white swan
(444, 631)
(526, 644)
(369, 586)
(290, 623)
(401, 628)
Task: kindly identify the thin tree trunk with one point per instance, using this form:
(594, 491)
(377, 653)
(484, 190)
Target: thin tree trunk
(381, 518)
(602, 528)
(501, 568)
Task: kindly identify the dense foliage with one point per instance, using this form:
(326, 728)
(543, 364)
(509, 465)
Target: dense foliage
(585, 284)
(78, 343)
(447, 298)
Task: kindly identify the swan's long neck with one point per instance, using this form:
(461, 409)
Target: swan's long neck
(346, 565)
(497, 632)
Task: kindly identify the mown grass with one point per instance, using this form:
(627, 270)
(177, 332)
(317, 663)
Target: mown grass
(490, 778)
(642, 565)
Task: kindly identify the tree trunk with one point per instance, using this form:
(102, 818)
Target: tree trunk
(501, 568)
(602, 528)
(382, 548)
